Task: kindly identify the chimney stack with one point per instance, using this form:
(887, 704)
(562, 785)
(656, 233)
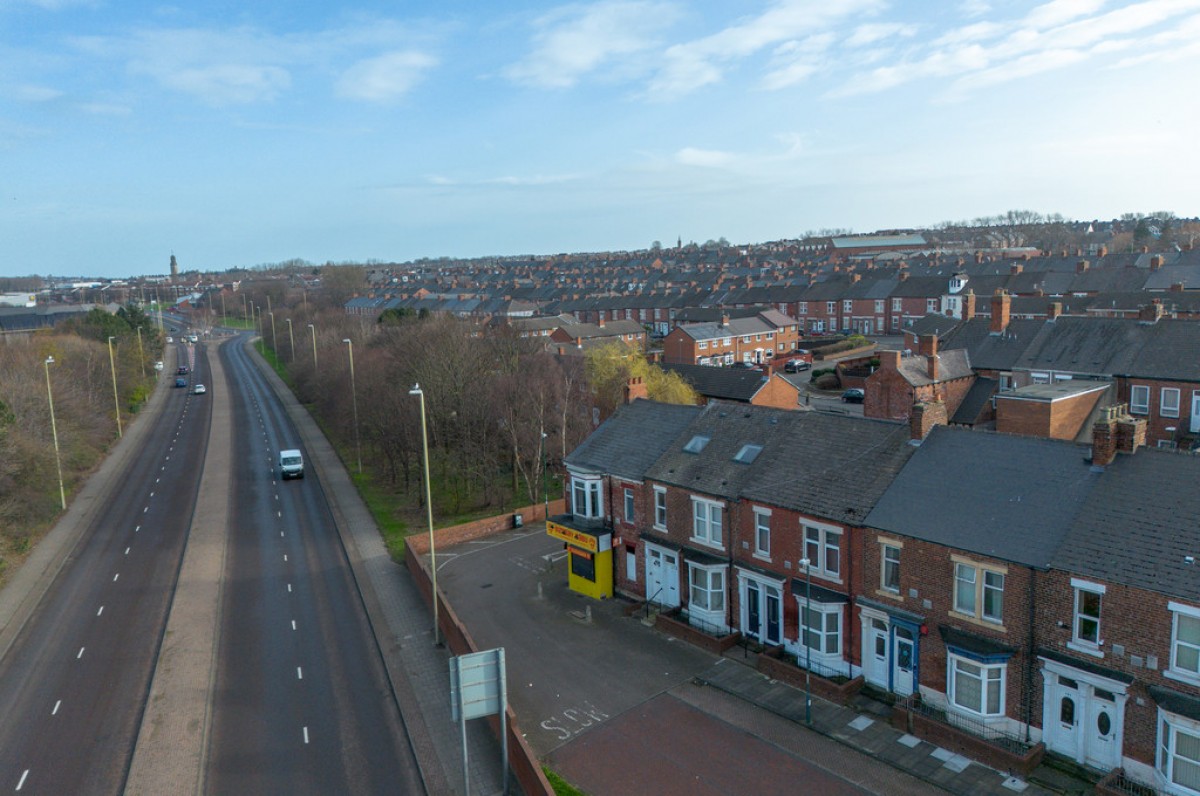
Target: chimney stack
(1156, 262)
(1152, 312)
(1103, 251)
(890, 359)
(1082, 266)
(924, 417)
(1177, 287)
(1015, 269)
(968, 305)
(635, 388)
(1054, 310)
(1001, 310)
(1116, 431)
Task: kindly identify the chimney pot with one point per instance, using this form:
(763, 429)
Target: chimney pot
(1001, 310)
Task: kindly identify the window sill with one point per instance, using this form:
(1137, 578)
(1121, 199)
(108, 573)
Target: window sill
(659, 528)
(891, 595)
(989, 624)
(766, 557)
(1087, 649)
(1182, 677)
(819, 575)
(707, 543)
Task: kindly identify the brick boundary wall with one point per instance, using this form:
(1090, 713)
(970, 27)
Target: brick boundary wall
(956, 740)
(523, 763)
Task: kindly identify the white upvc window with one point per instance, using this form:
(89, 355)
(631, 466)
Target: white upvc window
(821, 630)
(848, 305)
(803, 308)
(897, 305)
(823, 549)
(628, 505)
(762, 532)
(586, 497)
(660, 508)
(1085, 622)
(979, 591)
(703, 344)
(878, 305)
(931, 305)
(1185, 643)
(976, 688)
(889, 568)
(830, 307)
(706, 592)
(1179, 752)
(1139, 399)
(706, 522)
(1168, 402)
(728, 341)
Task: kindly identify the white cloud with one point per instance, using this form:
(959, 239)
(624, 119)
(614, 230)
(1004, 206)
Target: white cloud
(693, 65)
(105, 109)
(386, 77)
(795, 61)
(574, 41)
(229, 84)
(30, 93)
(869, 34)
(1058, 12)
(709, 158)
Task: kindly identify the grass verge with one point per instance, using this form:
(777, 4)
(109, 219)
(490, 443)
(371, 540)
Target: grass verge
(560, 785)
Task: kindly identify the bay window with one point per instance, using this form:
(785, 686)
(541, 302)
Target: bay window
(976, 687)
(585, 497)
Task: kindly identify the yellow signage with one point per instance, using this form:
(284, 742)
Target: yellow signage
(577, 538)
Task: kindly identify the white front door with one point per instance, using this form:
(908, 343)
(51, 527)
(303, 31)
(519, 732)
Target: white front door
(1061, 716)
(1195, 424)
(1102, 748)
(904, 662)
(876, 660)
(1083, 715)
(662, 577)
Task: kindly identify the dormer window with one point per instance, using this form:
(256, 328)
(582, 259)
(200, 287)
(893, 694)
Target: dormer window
(958, 282)
(696, 443)
(585, 497)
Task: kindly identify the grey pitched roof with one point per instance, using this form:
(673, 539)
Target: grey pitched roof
(828, 465)
(1140, 525)
(631, 440)
(976, 399)
(729, 384)
(1172, 351)
(952, 364)
(1006, 497)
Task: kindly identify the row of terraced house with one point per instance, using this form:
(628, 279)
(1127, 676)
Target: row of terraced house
(1031, 594)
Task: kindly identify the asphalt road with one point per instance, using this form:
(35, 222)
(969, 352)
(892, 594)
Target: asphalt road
(73, 685)
(302, 703)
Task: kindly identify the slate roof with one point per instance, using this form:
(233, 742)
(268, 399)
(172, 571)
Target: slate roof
(1139, 526)
(829, 465)
(728, 384)
(973, 403)
(951, 365)
(631, 439)
(1006, 497)
(1172, 352)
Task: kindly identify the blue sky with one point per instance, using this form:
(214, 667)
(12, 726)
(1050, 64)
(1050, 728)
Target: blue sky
(235, 134)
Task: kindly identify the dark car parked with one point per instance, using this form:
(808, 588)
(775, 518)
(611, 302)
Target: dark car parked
(853, 396)
(180, 381)
(796, 366)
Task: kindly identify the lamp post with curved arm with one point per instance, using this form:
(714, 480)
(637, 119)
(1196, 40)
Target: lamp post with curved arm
(313, 329)
(112, 363)
(354, 399)
(291, 339)
(62, 492)
(417, 391)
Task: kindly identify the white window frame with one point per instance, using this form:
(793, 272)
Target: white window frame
(803, 309)
(1168, 408)
(830, 307)
(762, 533)
(879, 305)
(829, 634)
(1079, 640)
(1175, 671)
(897, 305)
(819, 541)
(985, 582)
(702, 345)
(1166, 752)
(958, 664)
(931, 305)
(629, 505)
(710, 608)
(708, 519)
(894, 561)
(1139, 399)
(587, 488)
(660, 508)
(847, 306)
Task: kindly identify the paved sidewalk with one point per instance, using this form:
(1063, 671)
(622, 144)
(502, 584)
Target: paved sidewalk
(875, 737)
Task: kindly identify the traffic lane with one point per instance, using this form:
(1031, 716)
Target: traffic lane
(303, 702)
(73, 686)
(669, 747)
(565, 674)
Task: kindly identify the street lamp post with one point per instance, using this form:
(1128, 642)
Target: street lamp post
(141, 353)
(545, 474)
(417, 391)
(274, 347)
(291, 339)
(806, 637)
(62, 492)
(354, 399)
(313, 329)
(112, 363)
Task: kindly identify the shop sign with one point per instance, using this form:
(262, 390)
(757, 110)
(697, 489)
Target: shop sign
(577, 538)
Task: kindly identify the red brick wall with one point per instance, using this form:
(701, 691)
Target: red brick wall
(779, 393)
(1059, 419)
(1157, 425)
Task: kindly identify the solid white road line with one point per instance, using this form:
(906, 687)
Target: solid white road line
(80, 655)
(22, 782)
(56, 706)
(116, 576)
(100, 611)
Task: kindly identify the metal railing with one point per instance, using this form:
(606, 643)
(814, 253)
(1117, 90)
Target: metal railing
(1123, 783)
(999, 735)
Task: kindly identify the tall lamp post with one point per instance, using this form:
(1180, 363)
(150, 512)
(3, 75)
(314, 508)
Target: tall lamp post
(806, 637)
(354, 399)
(112, 363)
(291, 339)
(313, 329)
(274, 347)
(62, 492)
(545, 474)
(141, 353)
(417, 391)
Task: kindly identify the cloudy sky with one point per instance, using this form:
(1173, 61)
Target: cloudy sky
(233, 133)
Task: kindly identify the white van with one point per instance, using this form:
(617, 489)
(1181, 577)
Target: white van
(291, 464)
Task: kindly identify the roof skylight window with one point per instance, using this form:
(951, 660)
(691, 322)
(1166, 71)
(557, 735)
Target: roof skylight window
(696, 444)
(748, 454)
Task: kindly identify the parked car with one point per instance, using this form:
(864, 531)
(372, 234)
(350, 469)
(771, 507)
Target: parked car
(744, 366)
(180, 381)
(853, 396)
(796, 366)
(198, 390)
